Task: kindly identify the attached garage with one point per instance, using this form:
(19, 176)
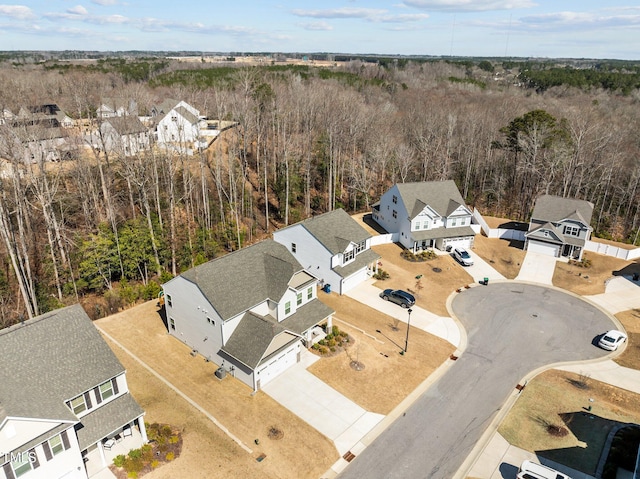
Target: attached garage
(548, 249)
(277, 364)
(353, 280)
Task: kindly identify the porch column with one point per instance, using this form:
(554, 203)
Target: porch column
(329, 323)
(103, 459)
(143, 429)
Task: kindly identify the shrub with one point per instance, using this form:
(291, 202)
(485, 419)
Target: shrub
(155, 463)
(135, 453)
(132, 475)
(173, 439)
(170, 456)
(381, 275)
(118, 461)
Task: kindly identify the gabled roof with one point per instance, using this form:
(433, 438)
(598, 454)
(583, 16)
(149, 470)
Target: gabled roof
(335, 230)
(126, 125)
(240, 280)
(49, 359)
(443, 196)
(187, 115)
(548, 226)
(253, 336)
(555, 208)
(165, 106)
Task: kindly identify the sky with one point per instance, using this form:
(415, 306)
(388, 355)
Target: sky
(486, 28)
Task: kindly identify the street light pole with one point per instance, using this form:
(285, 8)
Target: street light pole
(406, 341)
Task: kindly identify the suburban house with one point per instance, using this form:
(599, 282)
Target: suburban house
(64, 401)
(425, 215)
(111, 107)
(34, 144)
(332, 247)
(48, 115)
(559, 226)
(180, 125)
(124, 135)
(250, 312)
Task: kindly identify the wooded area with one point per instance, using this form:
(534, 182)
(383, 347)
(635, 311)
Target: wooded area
(308, 140)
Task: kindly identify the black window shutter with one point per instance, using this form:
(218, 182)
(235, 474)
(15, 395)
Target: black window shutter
(115, 385)
(47, 450)
(65, 440)
(96, 391)
(87, 399)
(33, 457)
(8, 471)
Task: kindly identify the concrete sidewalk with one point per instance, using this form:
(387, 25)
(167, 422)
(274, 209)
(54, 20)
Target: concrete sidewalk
(481, 269)
(443, 327)
(537, 268)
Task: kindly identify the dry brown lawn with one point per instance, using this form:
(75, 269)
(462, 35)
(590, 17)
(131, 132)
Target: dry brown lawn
(591, 280)
(555, 398)
(505, 256)
(207, 452)
(630, 358)
(434, 288)
(387, 377)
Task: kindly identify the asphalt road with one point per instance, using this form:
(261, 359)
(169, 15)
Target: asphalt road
(512, 329)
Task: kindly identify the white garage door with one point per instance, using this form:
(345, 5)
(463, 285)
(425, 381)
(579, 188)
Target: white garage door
(278, 364)
(354, 280)
(544, 248)
(457, 243)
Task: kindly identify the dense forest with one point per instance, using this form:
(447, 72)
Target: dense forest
(108, 230)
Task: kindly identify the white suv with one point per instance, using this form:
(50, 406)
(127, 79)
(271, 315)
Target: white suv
(463, 256)
(531, 470)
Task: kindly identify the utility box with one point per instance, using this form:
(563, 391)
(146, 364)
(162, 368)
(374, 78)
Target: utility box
(221, 373)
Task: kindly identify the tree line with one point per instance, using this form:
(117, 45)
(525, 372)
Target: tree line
(107, 230)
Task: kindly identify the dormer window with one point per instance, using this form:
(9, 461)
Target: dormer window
(78, 405)
(348, 256)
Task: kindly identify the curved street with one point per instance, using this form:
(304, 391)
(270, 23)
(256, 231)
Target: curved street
(513, 329)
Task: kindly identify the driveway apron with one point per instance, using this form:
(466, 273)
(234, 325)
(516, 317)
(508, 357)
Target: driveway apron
(321, 406)
(537, 268)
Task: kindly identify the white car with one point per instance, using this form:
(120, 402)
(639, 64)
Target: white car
(612, 339)
(463, 256)
(532, 470)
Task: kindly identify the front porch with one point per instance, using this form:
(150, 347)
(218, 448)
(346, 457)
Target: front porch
(98, 457)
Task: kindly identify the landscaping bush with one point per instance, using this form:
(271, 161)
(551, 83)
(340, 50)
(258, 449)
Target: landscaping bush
(425, 255)
(118, 461)
(381, 275)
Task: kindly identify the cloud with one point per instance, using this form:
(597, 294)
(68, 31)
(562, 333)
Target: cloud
(105, 2)
(340, 13)
(19, 12)
(316, 26)
(77, 10)
(469, 5)
(368, 14)
(579, 20)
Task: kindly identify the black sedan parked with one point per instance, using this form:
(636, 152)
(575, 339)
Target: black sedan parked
(398, 296)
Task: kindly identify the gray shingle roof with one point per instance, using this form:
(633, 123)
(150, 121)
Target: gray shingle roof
(107, 419)
(49, 359)
(238, 281)
(126, 125)
(335, 230)
(254, 334)
(555, 208)
(190, 117)
(442, 196)
(363, 259)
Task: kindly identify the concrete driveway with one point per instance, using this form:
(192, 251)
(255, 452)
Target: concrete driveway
(443, 327)
(513, 329)
(481, 269)
(537, 268)
(621, 294)
(324, 408)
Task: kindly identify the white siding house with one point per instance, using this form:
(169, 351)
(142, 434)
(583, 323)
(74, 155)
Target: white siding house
(333, 247)
(250, 312)
(180, 127)
(429, 214)
(124, 135)
(64, 399)
(559, 227)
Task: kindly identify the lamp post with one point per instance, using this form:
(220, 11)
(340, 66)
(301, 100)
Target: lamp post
(406, 341)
